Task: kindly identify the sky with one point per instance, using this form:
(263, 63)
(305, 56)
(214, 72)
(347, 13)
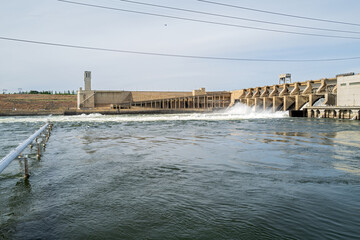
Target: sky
(40, 67)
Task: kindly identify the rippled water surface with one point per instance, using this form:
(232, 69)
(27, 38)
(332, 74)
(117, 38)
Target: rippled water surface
(230, 175)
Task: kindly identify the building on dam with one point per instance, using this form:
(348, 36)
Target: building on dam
(196, 100)
(340, 97)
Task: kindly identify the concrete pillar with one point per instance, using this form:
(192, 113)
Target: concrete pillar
(288, 101)
(274, 91)
(322, 87)
(311, 101)
(257, 103)
(256, 93)
(316, 114)
(308, 89)
(330, 99)
(300, 101)
(309, 113)
(265, 92)
(296, 90)
(277, 101)
(332, 114)
(249, 93)
(267, 102)
(284, 91)
(87, 80)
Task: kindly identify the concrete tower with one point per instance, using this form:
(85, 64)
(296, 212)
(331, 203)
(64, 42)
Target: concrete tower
(87, 80)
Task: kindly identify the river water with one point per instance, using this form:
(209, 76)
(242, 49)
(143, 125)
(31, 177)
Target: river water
(235, 174)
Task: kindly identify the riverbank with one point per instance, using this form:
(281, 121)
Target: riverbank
(35, 104)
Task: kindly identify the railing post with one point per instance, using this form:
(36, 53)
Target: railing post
(26, 175)
(17, 152)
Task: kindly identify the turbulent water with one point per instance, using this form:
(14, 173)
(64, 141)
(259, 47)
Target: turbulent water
(235, 174)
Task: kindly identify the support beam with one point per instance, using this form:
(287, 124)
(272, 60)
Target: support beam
(267, 102)
(258, 103)
(265, 92)
(277, 102)
(288, 101)
(322, 87)
(308, 89)
(300, 101)
(284, 91)
(296, 90)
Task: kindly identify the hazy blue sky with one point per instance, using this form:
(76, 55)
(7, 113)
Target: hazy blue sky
(30, 66)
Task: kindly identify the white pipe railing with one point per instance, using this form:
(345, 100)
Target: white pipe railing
(17, 151)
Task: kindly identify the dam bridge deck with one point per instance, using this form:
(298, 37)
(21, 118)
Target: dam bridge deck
(289, 96)
(212, 100)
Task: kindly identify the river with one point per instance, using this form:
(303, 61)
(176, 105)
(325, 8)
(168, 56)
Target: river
(235, 174)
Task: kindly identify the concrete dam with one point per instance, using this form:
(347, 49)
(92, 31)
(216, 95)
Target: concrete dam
(341, 96)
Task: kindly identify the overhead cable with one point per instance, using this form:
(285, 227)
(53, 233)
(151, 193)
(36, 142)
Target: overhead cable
(174, 55)
(209, 22)
(239, 18)
(280, 14)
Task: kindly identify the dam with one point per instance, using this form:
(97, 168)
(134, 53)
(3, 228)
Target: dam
(341, 98)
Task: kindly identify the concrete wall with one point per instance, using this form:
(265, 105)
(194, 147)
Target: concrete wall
(105, 98)
(235, 95)
(85, 99)
(348, 90)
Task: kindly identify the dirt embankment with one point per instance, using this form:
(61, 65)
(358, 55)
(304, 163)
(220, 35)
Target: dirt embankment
(35, 104)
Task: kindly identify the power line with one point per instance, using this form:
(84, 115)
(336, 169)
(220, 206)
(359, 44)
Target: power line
(209, 22)
(239, 18)
(280, 14)
(174, 55)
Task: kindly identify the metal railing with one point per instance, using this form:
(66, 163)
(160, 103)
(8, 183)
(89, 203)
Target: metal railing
(17, 151)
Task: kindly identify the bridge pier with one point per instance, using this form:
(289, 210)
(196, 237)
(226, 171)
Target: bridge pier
(249, 102)
(300, 101)
(267, 102)
(313, 98)
(277, 102)
(258, 103)
(288, 101)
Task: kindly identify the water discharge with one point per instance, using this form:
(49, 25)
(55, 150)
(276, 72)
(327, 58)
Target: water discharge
(237, 112)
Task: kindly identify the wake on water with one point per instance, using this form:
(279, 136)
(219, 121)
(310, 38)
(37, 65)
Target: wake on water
(237, 112)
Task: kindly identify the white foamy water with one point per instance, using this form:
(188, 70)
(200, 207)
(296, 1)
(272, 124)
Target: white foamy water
(318, 103)
(237, 112)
